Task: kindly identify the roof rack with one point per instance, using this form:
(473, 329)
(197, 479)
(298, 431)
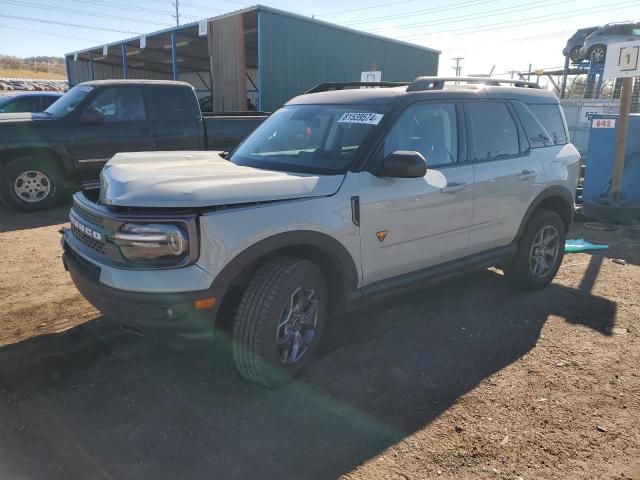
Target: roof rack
(324, 87)
(437, 83)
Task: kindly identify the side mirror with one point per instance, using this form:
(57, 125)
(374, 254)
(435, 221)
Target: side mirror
(92, 116)
(403, 164)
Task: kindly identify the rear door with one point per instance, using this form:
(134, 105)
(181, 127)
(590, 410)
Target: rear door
(177, 122)
(408, 224)
(508, 176)
(125, 128)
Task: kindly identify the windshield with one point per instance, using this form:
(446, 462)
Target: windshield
(69, 101)
(309, 138)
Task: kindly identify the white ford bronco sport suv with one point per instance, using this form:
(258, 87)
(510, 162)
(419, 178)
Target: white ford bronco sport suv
(343, 196)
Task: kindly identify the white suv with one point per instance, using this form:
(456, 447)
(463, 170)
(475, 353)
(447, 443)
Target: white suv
(342, 197)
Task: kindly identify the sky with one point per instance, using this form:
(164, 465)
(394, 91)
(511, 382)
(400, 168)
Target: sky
(502, 35)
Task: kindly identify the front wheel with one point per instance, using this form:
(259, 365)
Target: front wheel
(30, 183)
(540, 251)
(280, 320)
(598, 54)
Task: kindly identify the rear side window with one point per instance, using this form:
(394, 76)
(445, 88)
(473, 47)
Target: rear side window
(493, 132)
(551, 118)
(174, 104)
(25, 104)
(536, 133)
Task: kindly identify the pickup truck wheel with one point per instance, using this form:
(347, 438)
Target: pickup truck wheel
(279, 321)
(540, 251)
(30, 184)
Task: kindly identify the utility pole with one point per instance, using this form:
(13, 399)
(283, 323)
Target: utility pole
(458, 67)
(177, 15)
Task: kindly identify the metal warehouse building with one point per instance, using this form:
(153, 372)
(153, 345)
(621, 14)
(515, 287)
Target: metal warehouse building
(259, 53)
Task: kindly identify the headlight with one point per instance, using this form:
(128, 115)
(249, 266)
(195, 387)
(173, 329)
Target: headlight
(152, 242)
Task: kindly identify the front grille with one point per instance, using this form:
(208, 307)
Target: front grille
(87, 215)
(88, 240)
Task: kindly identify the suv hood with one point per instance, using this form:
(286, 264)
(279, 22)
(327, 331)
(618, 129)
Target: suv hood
(201, 179)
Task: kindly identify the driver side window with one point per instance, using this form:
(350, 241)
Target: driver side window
(120, 104)
(430, 129)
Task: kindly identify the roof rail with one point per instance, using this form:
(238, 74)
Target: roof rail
(324, 87)
(437, 83)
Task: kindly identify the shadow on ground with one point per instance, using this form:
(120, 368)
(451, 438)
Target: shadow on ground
(11, 220)
(96, 402)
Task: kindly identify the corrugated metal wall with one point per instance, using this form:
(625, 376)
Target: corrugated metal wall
(79, 72)
(296, 54)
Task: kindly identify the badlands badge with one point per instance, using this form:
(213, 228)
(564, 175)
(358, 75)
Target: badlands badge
(382, 234)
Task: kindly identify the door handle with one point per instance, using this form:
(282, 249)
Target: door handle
(526, 174)
(453, 187)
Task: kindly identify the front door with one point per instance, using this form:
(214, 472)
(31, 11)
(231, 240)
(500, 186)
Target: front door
(408, 224)
(125, 128)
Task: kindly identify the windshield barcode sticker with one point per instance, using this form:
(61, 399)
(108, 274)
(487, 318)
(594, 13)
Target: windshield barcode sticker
(361, 117)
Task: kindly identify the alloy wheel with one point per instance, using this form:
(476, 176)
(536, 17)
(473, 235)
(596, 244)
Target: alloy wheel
(297, 325)
(544, 251)
(32, 186)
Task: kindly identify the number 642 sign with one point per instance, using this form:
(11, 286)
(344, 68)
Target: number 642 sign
(603, 123)
(623, 60)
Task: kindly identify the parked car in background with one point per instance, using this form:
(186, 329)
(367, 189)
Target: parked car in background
(575, 42)
(21, 101)
(41, 153)
(595, 45)
(338, 199)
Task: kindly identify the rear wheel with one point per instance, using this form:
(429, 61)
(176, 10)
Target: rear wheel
(540, 251)
(279, 321)
(30, 183)
(575, 55)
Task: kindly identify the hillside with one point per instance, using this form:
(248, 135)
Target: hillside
(32, 67)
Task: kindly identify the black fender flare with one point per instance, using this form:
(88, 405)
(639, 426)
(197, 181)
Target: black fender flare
(556, 191)
(290, 240)
(9, 151)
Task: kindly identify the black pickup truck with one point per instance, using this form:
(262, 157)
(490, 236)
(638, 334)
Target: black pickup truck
(42, 154)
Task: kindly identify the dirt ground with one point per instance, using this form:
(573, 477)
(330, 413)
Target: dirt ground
(467, 380)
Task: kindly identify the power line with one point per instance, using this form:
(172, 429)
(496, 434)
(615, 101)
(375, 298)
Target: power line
(490, 13)
(79, 12)
(65, 24)
(338, 12)
(123, 5)
(47, 33)
(453, 6)
(518, 23)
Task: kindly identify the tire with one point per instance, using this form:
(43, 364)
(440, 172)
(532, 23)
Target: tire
(575, 56)
(42, 174)
(527, 269)
(598, 53)
(263, 351)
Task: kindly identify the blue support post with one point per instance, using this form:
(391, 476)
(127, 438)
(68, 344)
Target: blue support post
(259, 62)
(125, 69)
(91, 72)
(174, 56)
